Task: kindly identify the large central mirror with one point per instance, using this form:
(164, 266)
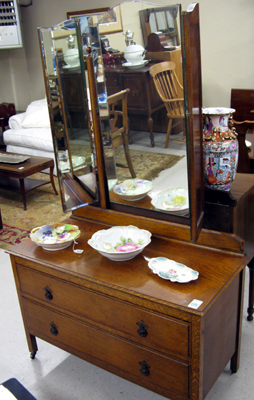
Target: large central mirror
(138, 58)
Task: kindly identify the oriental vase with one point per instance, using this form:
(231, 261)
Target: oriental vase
(220, 148)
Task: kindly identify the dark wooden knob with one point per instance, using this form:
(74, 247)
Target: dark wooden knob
(48, 293)
(53, 329)
(142, 329)
(144, 368)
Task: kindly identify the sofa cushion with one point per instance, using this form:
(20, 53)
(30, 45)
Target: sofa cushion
(39, 138)
(36, 115)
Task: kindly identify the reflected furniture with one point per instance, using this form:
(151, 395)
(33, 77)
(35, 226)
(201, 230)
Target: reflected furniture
(14, 177)
(156, 19)
(142, 99)
(242, 100)
(170, 91)
(120, 129)
(30, 132)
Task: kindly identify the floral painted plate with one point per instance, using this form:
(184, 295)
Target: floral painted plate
(120, 243)
(171, 270)
(173, 199)
(55, 237)
(133, 189)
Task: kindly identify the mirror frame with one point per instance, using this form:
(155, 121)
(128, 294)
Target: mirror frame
(181, 228)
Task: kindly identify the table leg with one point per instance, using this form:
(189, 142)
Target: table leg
(52, 179)
(250, 309)
(1, 223)
(150, 127)
(22, 187)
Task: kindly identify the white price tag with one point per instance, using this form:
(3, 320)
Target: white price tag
(195, 304)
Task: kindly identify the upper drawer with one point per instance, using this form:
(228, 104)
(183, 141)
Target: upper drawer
(142, 326)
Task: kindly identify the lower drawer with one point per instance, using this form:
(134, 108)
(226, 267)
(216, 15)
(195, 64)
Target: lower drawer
(130, 358)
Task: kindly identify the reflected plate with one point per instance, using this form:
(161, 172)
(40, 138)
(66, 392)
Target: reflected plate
(138, 65)
(70, 66)
(173, 200)
(171, 270)
(133, 189)
(77, 162)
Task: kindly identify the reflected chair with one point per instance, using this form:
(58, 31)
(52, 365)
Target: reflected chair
(171, 93)
(242, 100)
(119, 125)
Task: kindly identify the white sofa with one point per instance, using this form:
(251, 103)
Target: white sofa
(30, 132)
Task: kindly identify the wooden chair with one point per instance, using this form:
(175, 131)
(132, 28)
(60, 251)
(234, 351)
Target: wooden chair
(242, 100)
(171, 92)
(120, 134)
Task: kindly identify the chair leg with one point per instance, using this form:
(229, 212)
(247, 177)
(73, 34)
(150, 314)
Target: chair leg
(127, 155)
(168, 132)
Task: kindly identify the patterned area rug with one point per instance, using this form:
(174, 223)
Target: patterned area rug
(147, 165)
(44, 207)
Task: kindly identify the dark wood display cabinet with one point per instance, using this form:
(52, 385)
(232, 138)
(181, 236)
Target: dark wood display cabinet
(143, 98)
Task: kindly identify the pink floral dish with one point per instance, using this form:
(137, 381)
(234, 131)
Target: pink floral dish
(171, 270)
(120, 243)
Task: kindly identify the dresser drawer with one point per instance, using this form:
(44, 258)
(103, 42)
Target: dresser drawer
(148, 328)
(69, 333)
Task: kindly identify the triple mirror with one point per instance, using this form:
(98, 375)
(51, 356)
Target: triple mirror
(145, 158)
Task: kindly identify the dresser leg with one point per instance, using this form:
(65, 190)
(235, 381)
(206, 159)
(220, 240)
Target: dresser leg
(250, 309)
(32, 345)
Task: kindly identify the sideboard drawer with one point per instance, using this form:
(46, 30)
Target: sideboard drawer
(147, 365)
(137, 98)
(145, 327)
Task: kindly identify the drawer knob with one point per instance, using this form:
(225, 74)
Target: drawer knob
(142, 329)
(48, 293)
(53, 329)
(144, 368)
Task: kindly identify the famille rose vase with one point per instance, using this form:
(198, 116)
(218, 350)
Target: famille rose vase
(220, 148)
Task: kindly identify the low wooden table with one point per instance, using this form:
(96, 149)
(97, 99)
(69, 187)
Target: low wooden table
(14, 176)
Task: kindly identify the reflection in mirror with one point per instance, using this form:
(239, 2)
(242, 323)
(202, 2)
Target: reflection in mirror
(68, 99)
(151, 171)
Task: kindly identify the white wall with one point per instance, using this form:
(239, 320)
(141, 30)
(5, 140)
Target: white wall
(227, 32)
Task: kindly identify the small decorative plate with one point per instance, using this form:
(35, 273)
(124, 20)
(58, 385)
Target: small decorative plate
(173, 199)
(133, 189)
(55, 237)
(171, 270)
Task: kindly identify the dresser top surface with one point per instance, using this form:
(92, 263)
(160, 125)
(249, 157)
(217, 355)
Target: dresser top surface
(216, 269)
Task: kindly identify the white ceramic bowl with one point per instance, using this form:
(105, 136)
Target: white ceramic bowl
(120, 243)
(71, 57)
(134, 54)
(133, 189)
(173, 200)
(55, 237)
